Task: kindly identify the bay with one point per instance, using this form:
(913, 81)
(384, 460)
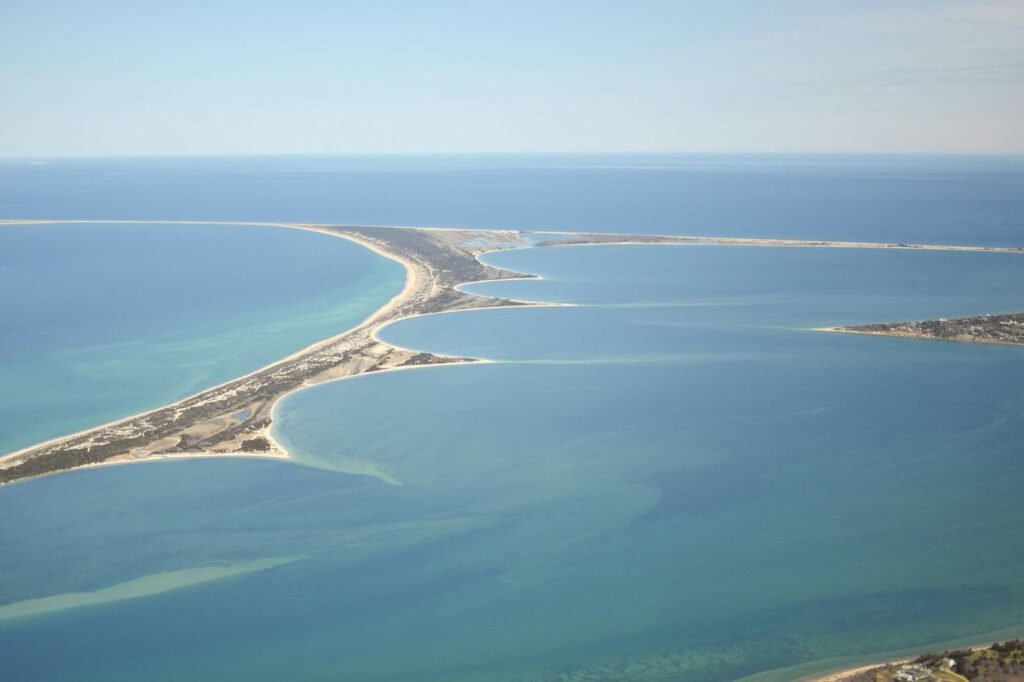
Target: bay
(675, 477)
(642, 486)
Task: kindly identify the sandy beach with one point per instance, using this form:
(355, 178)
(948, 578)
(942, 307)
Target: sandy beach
(926, 337)
(847, 673)
(208, 424)
(438, 262)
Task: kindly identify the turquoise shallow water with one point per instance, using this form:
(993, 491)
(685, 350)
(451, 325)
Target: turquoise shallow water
(675, 480)
(103, 321)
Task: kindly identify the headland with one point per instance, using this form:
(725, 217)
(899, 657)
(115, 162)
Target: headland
(1006, 329)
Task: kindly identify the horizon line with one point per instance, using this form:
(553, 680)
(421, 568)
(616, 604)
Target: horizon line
(196, 155)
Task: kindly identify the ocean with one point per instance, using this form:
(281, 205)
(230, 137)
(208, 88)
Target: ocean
(939, 199)
(675, 478)
(103, 321)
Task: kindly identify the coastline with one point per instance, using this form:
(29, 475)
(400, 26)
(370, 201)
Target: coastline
(582, 238)
(923, 337)
(847, 673)
(428, 290)
(588, 239)
(278, 452)
(424, 292)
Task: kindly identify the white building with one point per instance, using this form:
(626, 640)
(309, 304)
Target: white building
(913, 673)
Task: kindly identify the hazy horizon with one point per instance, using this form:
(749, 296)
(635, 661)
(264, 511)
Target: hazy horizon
(115, 78)
(41, 158)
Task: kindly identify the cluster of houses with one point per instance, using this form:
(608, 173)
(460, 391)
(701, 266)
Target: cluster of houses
(916, 673)
(1002, 328)
(913, 673)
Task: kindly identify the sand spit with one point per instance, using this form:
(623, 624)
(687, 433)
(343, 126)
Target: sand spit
(588, 239)
(1006, 328)
(235, 418)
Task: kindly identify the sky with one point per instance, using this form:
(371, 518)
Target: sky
(149, 77)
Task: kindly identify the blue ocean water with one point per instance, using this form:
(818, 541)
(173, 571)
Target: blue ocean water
(104, 321)
(955, 199)
(674, 479)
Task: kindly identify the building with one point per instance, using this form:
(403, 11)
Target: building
(913, 673)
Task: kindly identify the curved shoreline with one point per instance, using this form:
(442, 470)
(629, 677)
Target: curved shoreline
(435, 263)
(310, 228)
(839, 675)
(924, 337)
(376, 322)
(1006, 329)
(578, 238)
(438, 262)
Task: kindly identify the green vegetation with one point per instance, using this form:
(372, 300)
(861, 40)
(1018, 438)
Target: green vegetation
(255, 445)
(1002, 662)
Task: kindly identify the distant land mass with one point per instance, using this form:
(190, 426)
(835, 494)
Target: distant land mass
(1005, 328)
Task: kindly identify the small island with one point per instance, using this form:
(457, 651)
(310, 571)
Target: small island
(1006, 328)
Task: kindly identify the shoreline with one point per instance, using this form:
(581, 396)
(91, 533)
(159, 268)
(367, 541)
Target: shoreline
(422, 294)
(394, 300)
(846, 673)
(427, 290)
(923, 337)
(378, 320)
(585, 238)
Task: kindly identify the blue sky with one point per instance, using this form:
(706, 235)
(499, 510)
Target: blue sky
(100, 77)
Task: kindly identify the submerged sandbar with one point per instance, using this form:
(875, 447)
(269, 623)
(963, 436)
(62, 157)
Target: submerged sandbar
(136, 588)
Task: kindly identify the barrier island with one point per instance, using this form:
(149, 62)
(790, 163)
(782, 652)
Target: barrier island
(235, 418)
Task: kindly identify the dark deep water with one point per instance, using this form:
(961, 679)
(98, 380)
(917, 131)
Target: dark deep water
(971, 200)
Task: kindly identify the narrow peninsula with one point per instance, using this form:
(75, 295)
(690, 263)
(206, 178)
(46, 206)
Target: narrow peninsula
(1007, 328)
(235, 418)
